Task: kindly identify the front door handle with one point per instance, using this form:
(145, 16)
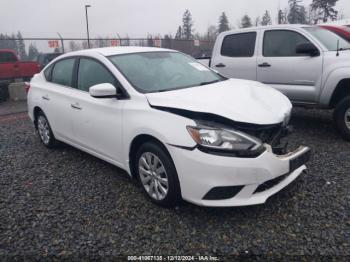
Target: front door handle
(46, 97)
(220, 65)
(264, 65)
(76, 106)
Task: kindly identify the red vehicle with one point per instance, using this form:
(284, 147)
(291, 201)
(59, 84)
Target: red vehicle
(12, 69)
(343, 31)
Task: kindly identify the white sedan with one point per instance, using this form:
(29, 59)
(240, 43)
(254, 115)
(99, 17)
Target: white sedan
(183, 130)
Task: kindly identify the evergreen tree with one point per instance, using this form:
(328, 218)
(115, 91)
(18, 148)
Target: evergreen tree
(8, 42)
(297, 12)
(127, 40)
(187, 25)
(257, 21)
(150, 41)
(266, 20)
(21, 47)
(73, 46)
(324, 10)
(281, 17)
(179, 33)
(223, 23)
(85, 45)
(13, 43)
(246, 22)
(100, 42)
(32, 52)
(166, 43)
(211, 33)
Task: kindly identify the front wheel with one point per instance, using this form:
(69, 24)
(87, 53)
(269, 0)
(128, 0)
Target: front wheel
(157, 175)
(342, 118)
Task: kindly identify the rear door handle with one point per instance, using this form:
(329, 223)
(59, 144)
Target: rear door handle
(46, 97)
(220, 65)
(76, 106)
(264, 65)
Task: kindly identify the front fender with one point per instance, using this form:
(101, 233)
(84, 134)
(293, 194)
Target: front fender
(168, 128)
(331, 82)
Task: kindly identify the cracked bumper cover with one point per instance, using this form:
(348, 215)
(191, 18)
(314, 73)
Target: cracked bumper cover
(199, 172)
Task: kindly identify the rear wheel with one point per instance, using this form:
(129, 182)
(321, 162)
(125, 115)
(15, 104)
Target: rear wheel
(44, 131)
(157, 175)
(342, 117)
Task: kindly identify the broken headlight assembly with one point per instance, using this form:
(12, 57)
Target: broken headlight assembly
(225, 141)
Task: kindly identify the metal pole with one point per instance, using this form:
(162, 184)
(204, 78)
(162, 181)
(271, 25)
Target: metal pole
(87, 24)
(62, 42)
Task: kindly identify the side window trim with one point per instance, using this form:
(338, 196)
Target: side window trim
(286, 30)
(75, 73)
(50, 68)
(117, 83)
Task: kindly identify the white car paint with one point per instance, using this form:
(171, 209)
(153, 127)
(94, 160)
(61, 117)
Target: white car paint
(240, 100)
(107, 127)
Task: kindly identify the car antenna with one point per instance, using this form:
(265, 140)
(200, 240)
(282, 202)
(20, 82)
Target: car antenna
(338, 47)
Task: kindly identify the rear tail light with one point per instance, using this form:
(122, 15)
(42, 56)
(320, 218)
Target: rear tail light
(27, 86)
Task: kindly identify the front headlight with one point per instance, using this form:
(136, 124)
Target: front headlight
(223, 139)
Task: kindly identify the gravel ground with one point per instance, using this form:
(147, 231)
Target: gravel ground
(64, 202)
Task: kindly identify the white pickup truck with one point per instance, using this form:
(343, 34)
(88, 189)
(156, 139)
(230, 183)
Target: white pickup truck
(309, 64)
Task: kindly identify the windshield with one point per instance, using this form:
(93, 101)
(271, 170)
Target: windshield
(328, 38)
(163, 71)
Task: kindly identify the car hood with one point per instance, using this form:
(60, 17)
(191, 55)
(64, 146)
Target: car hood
(239, 100)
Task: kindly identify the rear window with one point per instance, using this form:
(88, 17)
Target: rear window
(7, 57)
(239, 45)
(62, 72)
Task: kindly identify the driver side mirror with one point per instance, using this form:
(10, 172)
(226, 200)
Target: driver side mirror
(105, 90)
(307, 49)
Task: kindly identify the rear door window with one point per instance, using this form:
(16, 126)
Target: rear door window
(239, 45)
(62, 72)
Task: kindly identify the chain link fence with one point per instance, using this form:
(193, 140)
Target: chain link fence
(35, 46)
(43, 50)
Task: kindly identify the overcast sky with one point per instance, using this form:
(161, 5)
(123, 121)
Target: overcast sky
(137, 18)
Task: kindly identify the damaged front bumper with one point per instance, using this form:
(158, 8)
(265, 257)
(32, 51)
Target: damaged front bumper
(212, 180)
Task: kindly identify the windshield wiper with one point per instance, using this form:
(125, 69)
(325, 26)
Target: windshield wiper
(209, 82)
(160, 90)
(201, 84)
(344, 49)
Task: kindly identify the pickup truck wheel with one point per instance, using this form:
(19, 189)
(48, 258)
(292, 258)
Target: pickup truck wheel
(157, 175)
(44, 130)
(342, 117)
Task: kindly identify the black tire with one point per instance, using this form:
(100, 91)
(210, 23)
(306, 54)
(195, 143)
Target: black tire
(51, 141)
(173, 196)
(342, 120)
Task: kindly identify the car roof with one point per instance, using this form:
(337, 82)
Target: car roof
(8, 51)
(284, 26)
(119, 50)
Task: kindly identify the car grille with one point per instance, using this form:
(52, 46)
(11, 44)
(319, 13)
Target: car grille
(267, 134)
(270, 183)
(221, 193)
